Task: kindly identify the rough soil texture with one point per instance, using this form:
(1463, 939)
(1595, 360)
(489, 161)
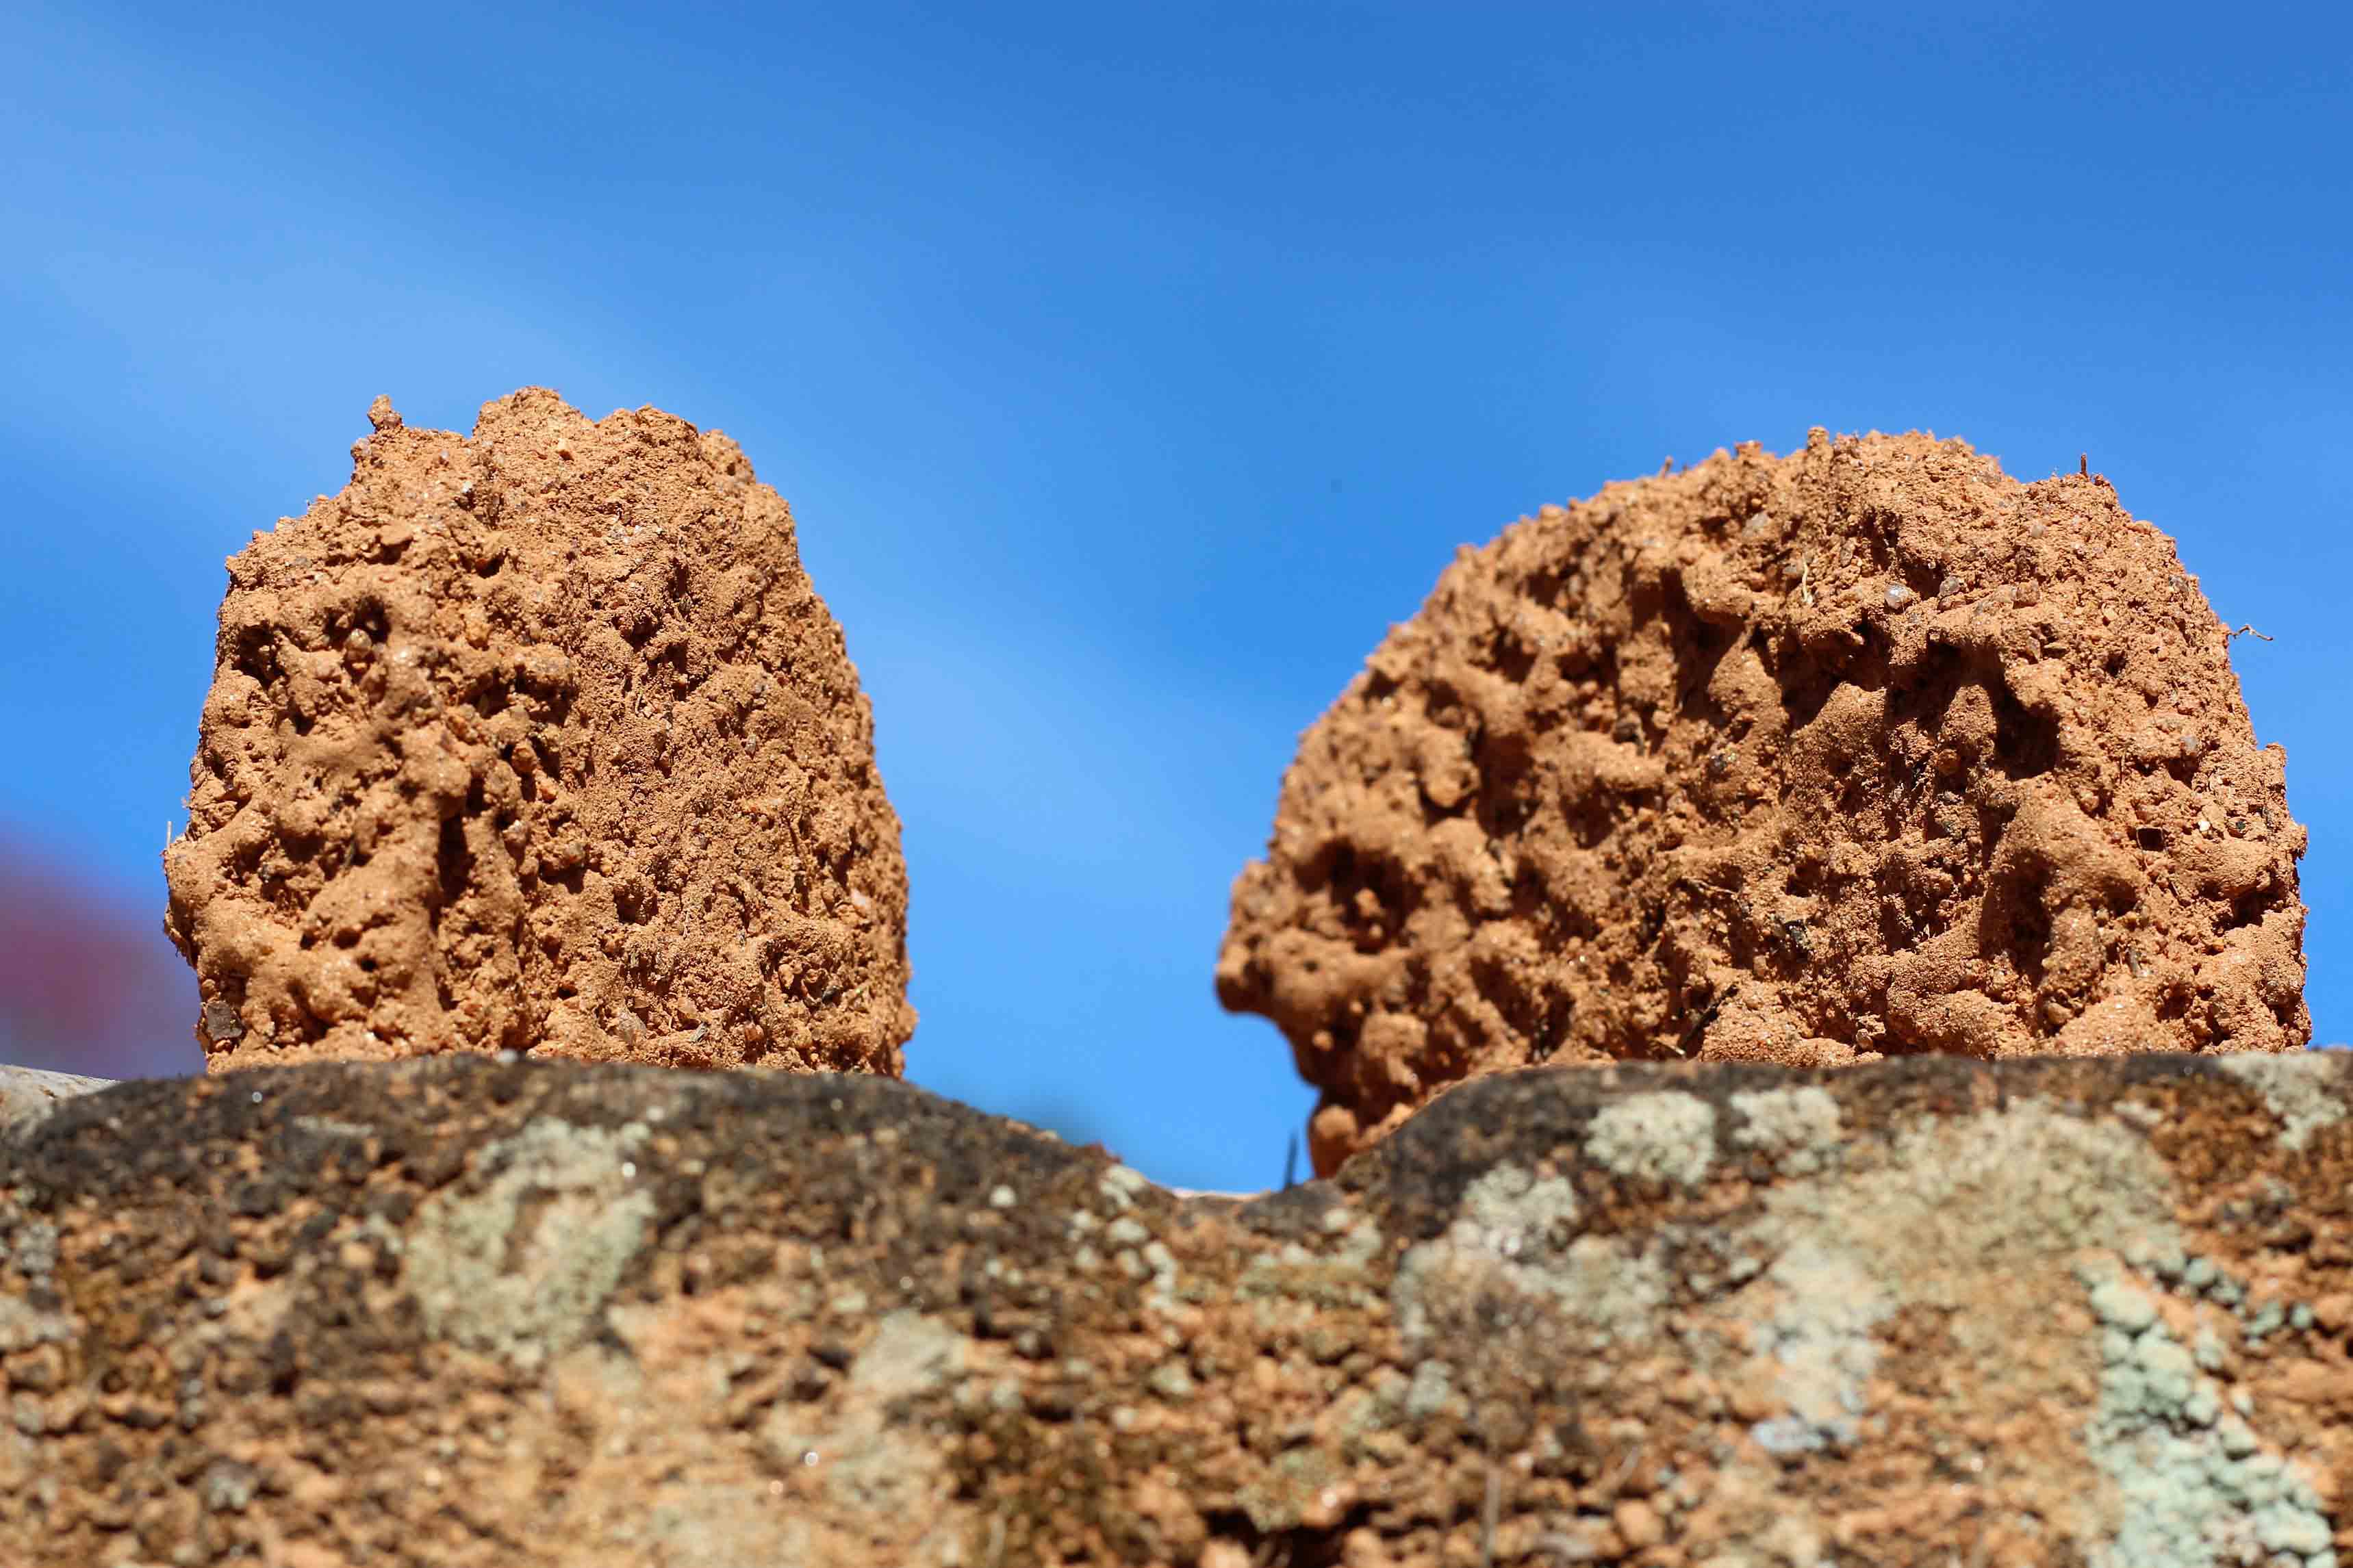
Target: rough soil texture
(539, 741)
(455, 1312)
(1865, 751)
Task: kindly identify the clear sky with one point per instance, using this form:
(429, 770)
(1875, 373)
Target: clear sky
(1130, 368)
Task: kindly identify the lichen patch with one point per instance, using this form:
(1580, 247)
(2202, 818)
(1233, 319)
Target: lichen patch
(1796, 1131)
(1661, 1137)
(522, 1265)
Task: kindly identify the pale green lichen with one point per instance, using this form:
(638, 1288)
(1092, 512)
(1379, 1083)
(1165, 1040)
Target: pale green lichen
(23, 1326)
(909, 1354)
(2192, 1487)
(1511, 1209)
(1172, 1380)
(1958, 1198)
(1340, 1277)
(1300, 1481)
(1847, 1240)
(523, 1267)
(2010, 1193)
(1515, 1231)
(1358, 1417)
(1667, 1137)
(1431, 1391)
(33, 1249)
(1797, 1130)
(1820, 1338)
(1121, 1184)
(866, 1460)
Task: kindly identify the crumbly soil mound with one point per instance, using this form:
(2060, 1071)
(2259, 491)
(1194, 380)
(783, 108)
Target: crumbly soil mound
(1867, 751)
(540, 740)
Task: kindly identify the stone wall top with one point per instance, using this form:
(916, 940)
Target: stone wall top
(457, 1312)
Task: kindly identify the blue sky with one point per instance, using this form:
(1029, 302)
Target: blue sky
(1131, 368)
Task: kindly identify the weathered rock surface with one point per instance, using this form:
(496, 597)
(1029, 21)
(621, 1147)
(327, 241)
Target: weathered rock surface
(1868, 750)
(459, 1312)
(28, 1093)
(539, 740)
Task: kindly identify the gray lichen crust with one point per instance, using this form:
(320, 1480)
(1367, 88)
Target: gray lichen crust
(457, 1313)
(523, 1267)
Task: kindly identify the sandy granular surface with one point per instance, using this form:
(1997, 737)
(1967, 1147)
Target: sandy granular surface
(459, 1314)
(1867, 751)
(541, 740)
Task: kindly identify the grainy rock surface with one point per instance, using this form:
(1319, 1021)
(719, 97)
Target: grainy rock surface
(27, 1092)
(457, 1313)
(539, 740)
(1865, 751)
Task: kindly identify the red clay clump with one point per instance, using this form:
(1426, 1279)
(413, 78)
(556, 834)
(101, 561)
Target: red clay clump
(540, 740)
(1867, 751)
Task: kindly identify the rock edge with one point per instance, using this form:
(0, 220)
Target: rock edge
(458, 1311)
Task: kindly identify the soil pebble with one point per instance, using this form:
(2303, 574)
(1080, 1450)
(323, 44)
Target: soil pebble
(539, 741)
(1867, 751)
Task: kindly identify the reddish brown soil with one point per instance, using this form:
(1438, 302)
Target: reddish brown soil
(540, 740)
(1867, 751)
